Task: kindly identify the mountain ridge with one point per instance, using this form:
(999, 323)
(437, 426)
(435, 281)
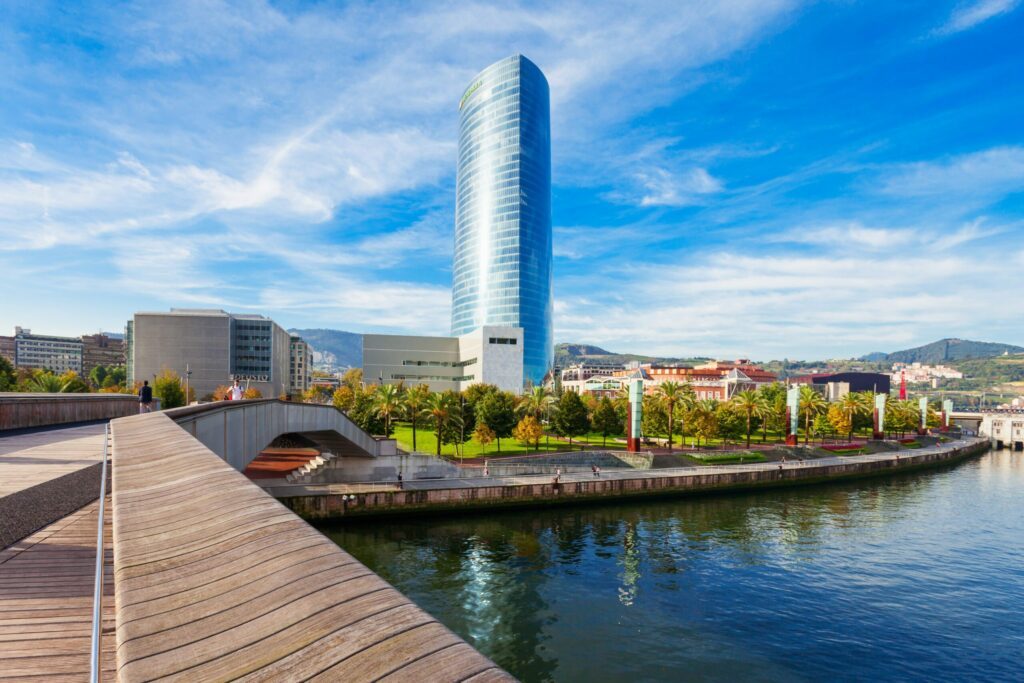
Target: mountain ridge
(949, 349)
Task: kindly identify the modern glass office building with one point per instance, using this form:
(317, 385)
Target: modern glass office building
(502, 271)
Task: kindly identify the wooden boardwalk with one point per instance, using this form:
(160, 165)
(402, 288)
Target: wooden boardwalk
(46, 594)
(216, 580)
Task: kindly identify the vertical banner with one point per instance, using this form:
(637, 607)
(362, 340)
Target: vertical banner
(636, 408)
(923, 403)
(793, 410)
(947, 411)
(880, 415)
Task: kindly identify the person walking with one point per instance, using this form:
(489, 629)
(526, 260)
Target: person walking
(593, 468)
(597, 470)
(400, 480)
(235, 392)
(145, 398)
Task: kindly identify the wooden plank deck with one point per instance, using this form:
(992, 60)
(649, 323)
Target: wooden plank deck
(216, 580)
(46, 594)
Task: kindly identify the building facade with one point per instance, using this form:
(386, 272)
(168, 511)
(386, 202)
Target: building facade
(59, 354)
(7, 348)
(502, 273)
(845, 382)
(489, 355)
(101, 349)
(215, 347)
(300, 366)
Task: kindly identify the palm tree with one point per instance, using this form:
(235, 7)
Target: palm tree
(747, 402)
(443, 409)
(46, 383)
(387, 401)
(536, 403)
(811, 404)
(670, 394)
(764, 411)
(852, 405)
(415, 402)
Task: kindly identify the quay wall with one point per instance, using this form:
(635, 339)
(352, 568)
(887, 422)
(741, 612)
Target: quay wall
(643, 484)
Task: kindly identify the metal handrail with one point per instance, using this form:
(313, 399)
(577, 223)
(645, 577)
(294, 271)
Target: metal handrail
(97, 598)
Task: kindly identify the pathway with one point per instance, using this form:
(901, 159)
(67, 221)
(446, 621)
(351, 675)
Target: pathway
(46, 596)
(609, 473)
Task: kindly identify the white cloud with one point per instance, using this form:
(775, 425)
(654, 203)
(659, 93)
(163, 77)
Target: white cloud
(985, 173)
(663, 188)
(848, 297)
(969, 14)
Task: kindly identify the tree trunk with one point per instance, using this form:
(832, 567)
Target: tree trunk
(414, 435)
(670, 428)
(748, 430)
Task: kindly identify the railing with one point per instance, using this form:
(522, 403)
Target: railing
(97, 598)
(628, 472)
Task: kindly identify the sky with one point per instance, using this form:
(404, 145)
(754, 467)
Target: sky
(739, 178)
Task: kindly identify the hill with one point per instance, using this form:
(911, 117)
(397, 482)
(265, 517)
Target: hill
(568, 353)
(333, 349)
(944, 350)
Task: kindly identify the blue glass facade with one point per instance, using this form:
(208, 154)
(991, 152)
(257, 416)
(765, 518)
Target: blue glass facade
(502, 272)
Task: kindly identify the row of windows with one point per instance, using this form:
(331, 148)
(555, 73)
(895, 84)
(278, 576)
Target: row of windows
(432, 378)
(503, 340)
(440, 363)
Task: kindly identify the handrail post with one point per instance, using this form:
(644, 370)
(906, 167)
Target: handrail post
(97, 598)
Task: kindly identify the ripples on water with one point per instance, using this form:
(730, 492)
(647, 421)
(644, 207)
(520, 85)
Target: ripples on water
(919, 577)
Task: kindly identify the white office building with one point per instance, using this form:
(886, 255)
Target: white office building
(489, 355)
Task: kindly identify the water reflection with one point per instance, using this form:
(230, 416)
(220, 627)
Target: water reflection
(797, 584)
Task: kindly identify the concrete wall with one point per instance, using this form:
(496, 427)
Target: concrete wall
(238, 430)
(384, 356)
(203, 342)
(642, 484)
(20, 411)
(498, 364)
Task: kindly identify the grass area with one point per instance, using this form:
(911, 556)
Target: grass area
(723, 458)
(427, 443)
(911, 444)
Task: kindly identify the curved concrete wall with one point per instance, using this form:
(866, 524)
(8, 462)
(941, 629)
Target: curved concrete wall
(238, 430)
(20, 411)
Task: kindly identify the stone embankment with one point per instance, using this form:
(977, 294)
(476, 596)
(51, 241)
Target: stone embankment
(494, 492)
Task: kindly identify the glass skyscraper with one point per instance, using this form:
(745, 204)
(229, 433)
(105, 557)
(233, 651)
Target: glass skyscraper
(502, 271)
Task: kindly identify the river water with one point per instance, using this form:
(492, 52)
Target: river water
(918, 577)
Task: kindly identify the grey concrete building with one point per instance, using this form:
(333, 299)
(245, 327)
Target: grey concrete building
(214, 346)
(489, 354)
(58, 354)
(300, 365)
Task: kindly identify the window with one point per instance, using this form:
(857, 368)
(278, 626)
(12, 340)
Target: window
(504, 340)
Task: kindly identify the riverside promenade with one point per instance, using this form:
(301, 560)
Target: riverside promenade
(332, 501)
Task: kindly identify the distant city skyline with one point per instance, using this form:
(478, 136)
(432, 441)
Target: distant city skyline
(758, 179)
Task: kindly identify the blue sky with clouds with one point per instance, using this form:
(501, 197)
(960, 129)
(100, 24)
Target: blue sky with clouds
(765, 178)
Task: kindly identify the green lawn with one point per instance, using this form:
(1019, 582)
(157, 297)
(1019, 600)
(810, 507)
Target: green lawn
(427, 443)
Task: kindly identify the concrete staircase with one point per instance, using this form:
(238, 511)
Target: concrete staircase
(304, 474)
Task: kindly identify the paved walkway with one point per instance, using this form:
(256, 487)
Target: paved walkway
(46, 594)
(31, 458)
(610, 473)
